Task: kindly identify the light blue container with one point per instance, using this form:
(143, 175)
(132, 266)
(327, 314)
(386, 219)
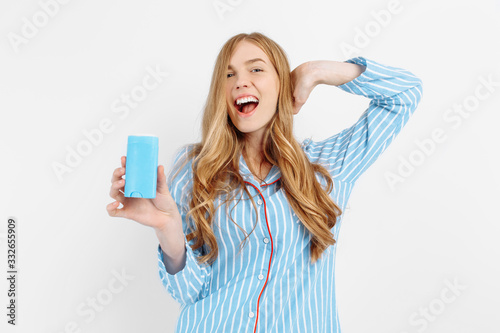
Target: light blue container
(141, 167)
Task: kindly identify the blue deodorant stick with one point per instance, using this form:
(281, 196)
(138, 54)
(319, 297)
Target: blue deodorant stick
(141, 167)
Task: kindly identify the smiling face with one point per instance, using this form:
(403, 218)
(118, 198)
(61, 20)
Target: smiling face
(251, 74)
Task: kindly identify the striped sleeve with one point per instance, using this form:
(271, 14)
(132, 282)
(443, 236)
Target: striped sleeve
(192, 282)
(395, 94)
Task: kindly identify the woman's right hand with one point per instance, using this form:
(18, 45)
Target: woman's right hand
(157, 213)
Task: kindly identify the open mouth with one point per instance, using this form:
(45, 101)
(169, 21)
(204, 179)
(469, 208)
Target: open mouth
(246, 105)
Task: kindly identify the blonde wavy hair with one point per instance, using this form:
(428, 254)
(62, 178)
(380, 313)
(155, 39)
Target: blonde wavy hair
(215, 159)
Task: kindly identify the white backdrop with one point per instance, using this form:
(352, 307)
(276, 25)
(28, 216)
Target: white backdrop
(419, 254)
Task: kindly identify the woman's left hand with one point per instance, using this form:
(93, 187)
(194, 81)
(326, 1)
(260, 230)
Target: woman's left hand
(309, 74)
(303, 81)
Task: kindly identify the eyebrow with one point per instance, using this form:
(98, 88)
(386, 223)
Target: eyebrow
(249, 62)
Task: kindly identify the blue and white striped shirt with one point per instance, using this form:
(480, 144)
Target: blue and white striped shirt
(271, 286)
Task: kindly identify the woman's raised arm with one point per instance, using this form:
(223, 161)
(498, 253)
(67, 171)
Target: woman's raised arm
(394, 93)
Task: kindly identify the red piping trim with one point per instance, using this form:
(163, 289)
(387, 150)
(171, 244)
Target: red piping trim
(270, 259)
(269, 183)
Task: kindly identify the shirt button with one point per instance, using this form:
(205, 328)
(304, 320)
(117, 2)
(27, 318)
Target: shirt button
(266, 240)
(251, 315)
(259, 202)
(261, 276)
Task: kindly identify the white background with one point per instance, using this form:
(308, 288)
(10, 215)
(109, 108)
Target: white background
(399, 248)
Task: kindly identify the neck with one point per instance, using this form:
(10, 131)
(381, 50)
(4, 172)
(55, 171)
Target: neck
(257, 165)
(254, 148)
(252, 157)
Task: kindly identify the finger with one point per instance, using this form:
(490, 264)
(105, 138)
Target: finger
(114, 211)
(297, 106)
(124, 161)
(116, 186)
(117, 174)
(161, 184)
(296, 110)
(115, 193)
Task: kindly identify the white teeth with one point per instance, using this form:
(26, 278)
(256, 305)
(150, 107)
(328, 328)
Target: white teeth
(246, 100)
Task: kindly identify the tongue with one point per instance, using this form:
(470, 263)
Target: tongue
(249, 107)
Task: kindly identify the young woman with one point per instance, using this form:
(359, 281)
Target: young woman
(247, 222)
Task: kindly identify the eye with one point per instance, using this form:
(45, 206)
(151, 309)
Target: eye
(257, 69)
(228, 75)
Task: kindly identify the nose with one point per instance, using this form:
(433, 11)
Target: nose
(242, 82)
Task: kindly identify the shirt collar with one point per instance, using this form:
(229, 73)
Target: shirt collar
(273, 176)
